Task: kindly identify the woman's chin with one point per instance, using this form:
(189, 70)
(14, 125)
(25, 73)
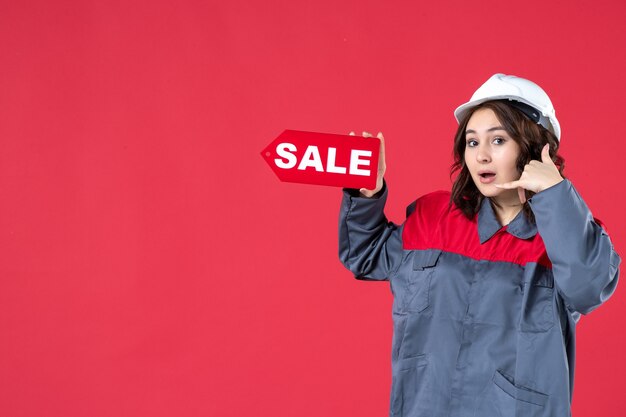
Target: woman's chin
(490, 190)
(500, 194)
(489, 193)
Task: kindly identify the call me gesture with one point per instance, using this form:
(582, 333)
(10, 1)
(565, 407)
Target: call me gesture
(537, 176)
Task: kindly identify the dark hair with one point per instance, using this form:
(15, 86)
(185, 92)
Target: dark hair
(530, 137)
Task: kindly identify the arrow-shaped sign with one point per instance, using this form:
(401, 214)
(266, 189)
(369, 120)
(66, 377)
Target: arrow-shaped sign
(324, 159)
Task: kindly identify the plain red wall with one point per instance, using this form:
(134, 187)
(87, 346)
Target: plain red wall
(152, 265)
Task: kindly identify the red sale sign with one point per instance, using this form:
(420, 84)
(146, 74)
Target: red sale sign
(324, 159)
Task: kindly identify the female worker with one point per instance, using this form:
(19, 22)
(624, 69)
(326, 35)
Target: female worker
(490, 279)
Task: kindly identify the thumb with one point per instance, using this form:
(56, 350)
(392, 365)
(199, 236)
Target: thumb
(545, 155)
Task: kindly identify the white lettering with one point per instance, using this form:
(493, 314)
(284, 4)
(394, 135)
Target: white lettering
(283, 151)
(311, 158)
(332, 156)
(355, 161)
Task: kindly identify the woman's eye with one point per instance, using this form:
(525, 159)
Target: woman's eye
(501, 140)
(471, 143)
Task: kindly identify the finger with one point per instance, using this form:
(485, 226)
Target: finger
(522, 194)
(367, 134)
(509, 185)
(545, 155)
(351, 133)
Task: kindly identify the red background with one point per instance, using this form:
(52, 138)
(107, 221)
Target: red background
(151, 263)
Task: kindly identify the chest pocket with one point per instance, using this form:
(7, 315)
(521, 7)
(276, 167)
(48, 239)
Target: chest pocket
(419, 282)
(537, 313)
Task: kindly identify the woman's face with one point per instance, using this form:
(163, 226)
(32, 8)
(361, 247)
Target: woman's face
(491, 155)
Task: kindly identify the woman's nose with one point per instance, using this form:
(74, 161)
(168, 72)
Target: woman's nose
(483, 154)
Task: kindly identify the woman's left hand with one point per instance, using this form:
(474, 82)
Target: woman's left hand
(537, 176)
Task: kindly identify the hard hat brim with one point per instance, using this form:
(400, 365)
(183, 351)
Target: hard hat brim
(463, 109)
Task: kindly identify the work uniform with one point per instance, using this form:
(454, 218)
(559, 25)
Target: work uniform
(484, 315)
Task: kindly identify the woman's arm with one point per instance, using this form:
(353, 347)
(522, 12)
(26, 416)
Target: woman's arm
(584, 263)
(369, 245)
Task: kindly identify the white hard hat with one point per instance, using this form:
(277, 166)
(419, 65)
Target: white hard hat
(517, 90)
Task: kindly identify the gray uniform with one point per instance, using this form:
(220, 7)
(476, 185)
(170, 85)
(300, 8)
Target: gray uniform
(484, 315)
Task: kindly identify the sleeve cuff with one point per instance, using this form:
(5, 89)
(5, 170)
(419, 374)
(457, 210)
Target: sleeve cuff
(557, 191)
(355, 193)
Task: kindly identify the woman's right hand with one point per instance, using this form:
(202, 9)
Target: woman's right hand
(381, 166)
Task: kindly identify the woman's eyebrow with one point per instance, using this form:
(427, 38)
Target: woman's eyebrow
(491, 129)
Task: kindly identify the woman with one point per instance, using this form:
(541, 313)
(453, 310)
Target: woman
(490, 279)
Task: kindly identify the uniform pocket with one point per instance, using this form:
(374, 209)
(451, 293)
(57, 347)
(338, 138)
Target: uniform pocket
(419, 283)
(520, 393)
(537, 308)
(409, 388)
(505, 398)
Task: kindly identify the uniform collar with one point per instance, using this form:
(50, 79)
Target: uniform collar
(488, 224)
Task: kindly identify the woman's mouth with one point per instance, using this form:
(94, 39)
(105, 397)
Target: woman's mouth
(487, 177)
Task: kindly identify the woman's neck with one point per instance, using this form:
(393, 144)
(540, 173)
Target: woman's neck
(506, 211)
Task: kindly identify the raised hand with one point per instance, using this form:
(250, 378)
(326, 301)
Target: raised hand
(537, 176)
